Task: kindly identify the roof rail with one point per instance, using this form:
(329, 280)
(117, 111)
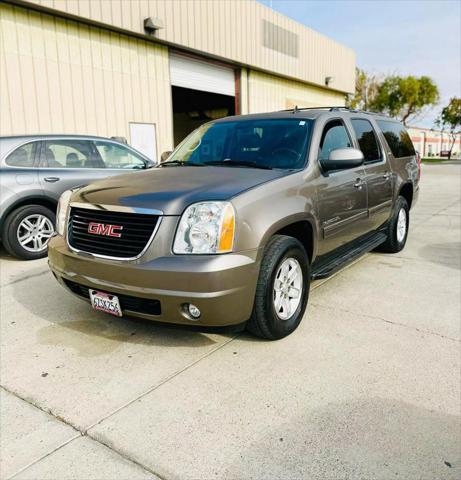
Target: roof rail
(333, 109)
(298, 109)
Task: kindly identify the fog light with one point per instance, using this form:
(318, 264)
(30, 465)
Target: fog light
(194, 312)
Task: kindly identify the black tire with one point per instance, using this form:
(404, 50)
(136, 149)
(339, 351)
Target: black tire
(264, 321)
(393, 244)
(10, 229)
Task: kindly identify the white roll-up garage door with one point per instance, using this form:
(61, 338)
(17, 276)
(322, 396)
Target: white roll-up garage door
(197, 75)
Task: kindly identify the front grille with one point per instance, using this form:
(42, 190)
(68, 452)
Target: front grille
(135, 233)
(127, 302)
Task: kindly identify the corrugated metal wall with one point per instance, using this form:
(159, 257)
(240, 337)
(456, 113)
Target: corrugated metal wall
(269, 93)
(230, 29)
(59, 76)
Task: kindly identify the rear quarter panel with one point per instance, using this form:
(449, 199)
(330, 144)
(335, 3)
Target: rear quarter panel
(405, 169)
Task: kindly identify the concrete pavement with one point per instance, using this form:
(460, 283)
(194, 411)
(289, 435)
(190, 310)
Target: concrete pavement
(368, 386)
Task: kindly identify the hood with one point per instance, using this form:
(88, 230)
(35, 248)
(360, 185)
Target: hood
(172, 189)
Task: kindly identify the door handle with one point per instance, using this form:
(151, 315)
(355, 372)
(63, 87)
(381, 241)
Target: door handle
(359, 183)
(387, 176)
(51, 179)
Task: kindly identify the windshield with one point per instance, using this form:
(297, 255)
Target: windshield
(272, 143)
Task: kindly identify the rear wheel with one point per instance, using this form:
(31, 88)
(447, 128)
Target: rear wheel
(397, 228)
(27, 231)
(282, 290)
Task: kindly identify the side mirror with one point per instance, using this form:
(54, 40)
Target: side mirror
(164, 156)
(342, 158)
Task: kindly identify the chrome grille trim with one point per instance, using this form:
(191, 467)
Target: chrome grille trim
(113, 208)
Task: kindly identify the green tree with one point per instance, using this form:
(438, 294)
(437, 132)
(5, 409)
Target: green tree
(450, 120)
(405, 97)
(366, 88)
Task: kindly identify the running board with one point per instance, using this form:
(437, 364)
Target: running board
(326, 267)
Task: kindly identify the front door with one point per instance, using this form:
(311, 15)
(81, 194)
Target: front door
(342, 194)
(378, 174)
(73, 162)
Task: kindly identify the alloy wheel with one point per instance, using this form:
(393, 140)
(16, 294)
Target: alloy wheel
(287, 289)
(401, 225)
(34, 232)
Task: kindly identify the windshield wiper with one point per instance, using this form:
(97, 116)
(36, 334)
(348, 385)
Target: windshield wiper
(237, 163)
(181, 163)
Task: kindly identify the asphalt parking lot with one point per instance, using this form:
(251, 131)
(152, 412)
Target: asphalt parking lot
(367, 387)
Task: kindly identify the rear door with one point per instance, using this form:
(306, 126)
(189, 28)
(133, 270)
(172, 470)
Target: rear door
(378, 173)
(19, 172)
(342, 194)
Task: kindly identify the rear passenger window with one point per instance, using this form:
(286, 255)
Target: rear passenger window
(24, 156)
(397, 138)
(69, 154)
(366, 137)
(334, 136)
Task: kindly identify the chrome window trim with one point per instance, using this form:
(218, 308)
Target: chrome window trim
(30, 138)
(114, 208)
(6, 155)
(378, 161)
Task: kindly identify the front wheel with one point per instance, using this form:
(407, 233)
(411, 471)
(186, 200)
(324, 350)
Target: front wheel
(397, 228)
(282, 290)
(27, 231)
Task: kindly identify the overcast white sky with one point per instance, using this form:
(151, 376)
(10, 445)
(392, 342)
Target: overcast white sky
(417, 37)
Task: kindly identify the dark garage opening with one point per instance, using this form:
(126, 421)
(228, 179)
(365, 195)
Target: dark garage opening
(192, 108)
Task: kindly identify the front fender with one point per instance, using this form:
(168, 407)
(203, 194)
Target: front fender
(263, 211)
(290, 220)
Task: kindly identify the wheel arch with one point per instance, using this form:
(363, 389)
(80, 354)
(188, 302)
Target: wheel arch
(406, 191)
(301, 227)
(25, 201)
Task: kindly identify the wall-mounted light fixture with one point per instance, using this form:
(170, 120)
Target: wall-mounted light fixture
(151, 25)
(329, 80)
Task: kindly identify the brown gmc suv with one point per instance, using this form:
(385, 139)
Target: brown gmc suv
(242, 216)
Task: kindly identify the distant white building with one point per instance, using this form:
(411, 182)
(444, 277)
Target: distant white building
(430, 142)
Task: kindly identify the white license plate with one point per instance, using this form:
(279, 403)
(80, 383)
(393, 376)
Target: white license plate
(105, 302)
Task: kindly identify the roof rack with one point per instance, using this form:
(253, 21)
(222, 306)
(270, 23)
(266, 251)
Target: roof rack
(331, 109)
(298, 109)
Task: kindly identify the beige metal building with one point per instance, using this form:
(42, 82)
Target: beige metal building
(95, 66)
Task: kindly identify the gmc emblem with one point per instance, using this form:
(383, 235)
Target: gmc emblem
(104, 229)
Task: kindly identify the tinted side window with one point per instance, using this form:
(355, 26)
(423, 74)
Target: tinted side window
(366, 137)
(397, 138)
(24, 156)
(116, 156)
(69, 154)
(334, 136)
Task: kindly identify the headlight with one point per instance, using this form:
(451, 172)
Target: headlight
(206, 227)
(61, 213)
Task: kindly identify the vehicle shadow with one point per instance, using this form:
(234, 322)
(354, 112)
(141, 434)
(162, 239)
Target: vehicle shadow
(446, 254)
(72, 322)
(359, 438)
(13, 269)
(6, 257)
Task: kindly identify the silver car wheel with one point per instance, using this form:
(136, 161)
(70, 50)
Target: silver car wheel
(401, 225)
(34, 232)
(287, 290)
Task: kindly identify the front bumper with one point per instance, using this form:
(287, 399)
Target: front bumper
(221, 286)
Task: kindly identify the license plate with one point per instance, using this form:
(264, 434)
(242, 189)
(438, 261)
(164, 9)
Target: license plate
(105, 302)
